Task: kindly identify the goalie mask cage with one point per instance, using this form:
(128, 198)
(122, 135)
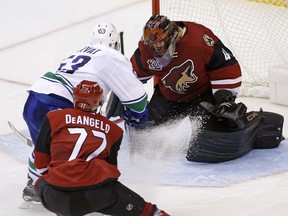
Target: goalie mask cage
(256, 31)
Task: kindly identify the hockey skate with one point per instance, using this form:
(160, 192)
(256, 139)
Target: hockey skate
(29, 196)
(160, 213)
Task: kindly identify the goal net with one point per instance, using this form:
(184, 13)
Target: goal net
(256, 31)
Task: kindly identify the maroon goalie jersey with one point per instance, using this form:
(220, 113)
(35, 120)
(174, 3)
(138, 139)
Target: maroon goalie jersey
(77, 149)
(200, 63)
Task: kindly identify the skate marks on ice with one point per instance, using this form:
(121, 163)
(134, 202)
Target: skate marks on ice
(160, 159)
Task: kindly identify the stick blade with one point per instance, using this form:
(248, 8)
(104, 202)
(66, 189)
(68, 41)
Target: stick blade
(20, 135)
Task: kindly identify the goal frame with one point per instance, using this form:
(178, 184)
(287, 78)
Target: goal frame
(155, 10)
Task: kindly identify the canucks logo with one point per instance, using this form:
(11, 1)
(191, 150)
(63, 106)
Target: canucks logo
(101, 30)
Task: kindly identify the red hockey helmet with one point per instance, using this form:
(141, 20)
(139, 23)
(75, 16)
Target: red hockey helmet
(158, 32)
(88, 96)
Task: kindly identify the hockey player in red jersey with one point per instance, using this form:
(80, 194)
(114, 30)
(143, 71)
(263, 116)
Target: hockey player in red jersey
(76, 153)
(197, 75)
(191, 64)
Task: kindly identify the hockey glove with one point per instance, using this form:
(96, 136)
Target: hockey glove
(225, 101)
(236, 115)
(225, 107)
(135, 119)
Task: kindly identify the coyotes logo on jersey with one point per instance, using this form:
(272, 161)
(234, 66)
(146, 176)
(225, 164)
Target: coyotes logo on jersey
(179, 77)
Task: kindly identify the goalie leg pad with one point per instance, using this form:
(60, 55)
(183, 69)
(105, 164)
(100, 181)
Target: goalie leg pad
(269, 132)
(218, 146)
(263, 130)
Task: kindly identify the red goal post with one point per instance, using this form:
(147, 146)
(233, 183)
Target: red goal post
(256, 31)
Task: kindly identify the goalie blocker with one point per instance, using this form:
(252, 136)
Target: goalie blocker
(256, 129)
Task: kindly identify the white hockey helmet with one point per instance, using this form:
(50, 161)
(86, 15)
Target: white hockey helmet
(106, 34)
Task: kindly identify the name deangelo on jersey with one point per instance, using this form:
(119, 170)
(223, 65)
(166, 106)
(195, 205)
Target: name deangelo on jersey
(87, 120)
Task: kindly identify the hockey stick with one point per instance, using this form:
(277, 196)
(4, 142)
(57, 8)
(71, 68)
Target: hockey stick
(22, 137)
(121, 34)
(131, 148)
(29, 142)
(114, 107)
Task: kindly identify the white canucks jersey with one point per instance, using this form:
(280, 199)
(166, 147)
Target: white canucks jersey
(106, 66)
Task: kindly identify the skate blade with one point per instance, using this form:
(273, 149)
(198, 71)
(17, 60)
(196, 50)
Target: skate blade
(30, 204)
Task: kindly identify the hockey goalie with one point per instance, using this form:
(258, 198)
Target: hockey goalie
(199, 76)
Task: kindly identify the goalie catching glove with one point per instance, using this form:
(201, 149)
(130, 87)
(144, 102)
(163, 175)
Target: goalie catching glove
(225, 101)
(134, 118)
(225, 107)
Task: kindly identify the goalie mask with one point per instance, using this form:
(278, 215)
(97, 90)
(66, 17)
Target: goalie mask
(158, 34)
(88, 96)
(107, 35)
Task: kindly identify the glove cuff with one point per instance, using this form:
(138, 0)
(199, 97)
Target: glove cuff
(223, 95)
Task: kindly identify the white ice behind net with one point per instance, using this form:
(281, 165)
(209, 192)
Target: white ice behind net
(256, 33)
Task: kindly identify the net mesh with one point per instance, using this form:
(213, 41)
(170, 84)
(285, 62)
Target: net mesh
(256, 31)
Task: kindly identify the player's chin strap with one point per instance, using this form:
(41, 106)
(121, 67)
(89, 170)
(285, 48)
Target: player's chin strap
(237, 114)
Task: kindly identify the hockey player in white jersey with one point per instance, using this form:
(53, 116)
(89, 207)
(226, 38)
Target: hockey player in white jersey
(101, 62)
